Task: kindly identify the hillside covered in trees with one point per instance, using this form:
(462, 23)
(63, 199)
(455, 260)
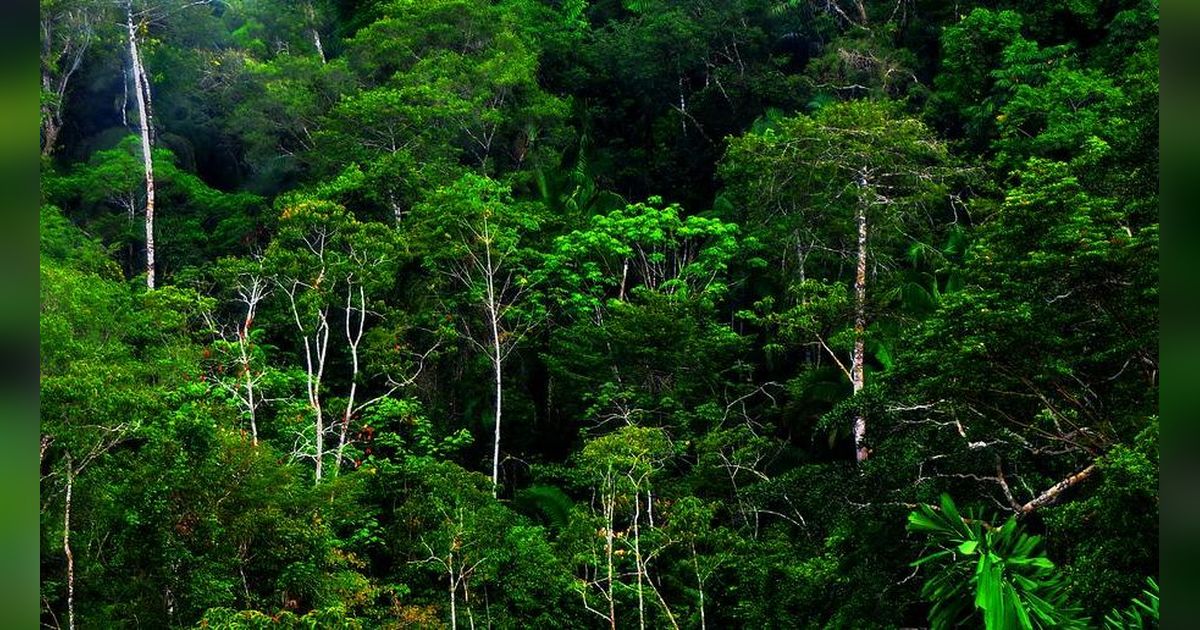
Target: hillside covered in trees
(599, 313)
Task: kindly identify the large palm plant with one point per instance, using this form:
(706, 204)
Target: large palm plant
(994, 574)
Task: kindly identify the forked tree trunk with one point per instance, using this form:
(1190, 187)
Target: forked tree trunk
(353, 339)
(244, 351)
(142, 93)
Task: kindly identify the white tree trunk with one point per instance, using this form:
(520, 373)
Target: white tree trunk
(353, 339)
(610, 508)
(142, 93)
(637, 556)
(315, 398)
(67, 548)
(860, 323)
(453, 588)
(497, 364)
(699, 586)
(244, 350)
(493, 312)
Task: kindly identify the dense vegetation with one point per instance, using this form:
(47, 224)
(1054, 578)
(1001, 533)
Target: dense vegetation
(571, 313)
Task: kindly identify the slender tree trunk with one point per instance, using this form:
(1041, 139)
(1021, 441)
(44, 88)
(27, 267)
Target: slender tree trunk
(320, 341)
(699, 586)
(50, 122)
(353, 339)
(142, 93)
(67, 547)
(610, 508)
(313, 372)
(251, 405)
(496, 373)
(244, 349)
(497, 364)
(467, 603)
(453, 588)
(624, 276)
(50, 128)
(637, 557)
(316, 403)
(857, 376)
(78, 38)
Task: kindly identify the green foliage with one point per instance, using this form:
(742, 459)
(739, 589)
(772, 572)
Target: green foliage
(632, 227)
(996, 574)
(229, 619)
(639, 248)
(549, 501)
(1141, 613)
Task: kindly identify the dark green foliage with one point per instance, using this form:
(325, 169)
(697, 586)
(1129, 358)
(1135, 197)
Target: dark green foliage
(632, 227)
(1141, 613)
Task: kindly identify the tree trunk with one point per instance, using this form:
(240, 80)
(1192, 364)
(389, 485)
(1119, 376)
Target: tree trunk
(50, 128)
(453, 588)
(50, 110)
(312, 27)
(58, 67)
(321, 341)
(496, 373)
(142, 93)
(637, 556)
(467, 603)
(699, 586)
(1051, 494)
(860, 324)
(610, 508)
(67, 548)
(493, 312)
(353, 340)
(244, 349)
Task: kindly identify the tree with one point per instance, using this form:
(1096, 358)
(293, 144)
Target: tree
(239, 368)
(325, 263)
(620, 468)
(68, 28)
(104, 194)
(141, 90)
(473, 232)
(453, 78)
(850, 170)
(639, 248)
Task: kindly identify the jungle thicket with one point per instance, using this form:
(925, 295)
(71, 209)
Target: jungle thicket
(599, 313)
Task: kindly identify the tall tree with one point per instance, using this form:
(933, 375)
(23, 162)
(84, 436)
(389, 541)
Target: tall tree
(327, 265)
(474, 231)
(141, 89)
(856, 181)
